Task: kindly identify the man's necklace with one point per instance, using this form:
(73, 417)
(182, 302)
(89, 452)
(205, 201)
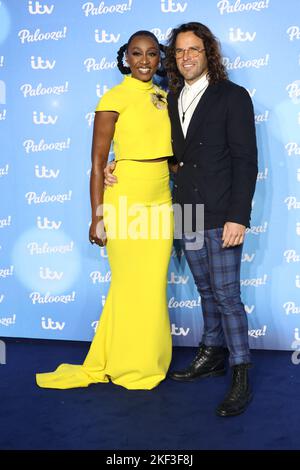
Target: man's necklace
(184, 111)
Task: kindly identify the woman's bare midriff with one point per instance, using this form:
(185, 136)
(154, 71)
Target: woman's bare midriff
(153, 160)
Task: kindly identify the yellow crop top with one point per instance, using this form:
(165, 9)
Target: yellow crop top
(143, 130)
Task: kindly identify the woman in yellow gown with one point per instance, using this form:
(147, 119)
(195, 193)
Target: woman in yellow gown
(132, 345)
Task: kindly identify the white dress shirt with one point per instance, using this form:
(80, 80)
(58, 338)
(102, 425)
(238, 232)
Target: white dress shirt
(186, 97)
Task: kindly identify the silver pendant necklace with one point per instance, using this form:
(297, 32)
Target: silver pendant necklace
(184, 111)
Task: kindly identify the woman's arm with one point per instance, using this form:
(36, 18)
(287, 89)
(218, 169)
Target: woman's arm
(104, 128)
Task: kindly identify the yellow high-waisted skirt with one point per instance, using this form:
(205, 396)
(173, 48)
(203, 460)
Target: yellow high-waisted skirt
(132, 344)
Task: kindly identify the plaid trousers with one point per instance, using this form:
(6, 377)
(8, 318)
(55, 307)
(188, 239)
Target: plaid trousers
(216, 272)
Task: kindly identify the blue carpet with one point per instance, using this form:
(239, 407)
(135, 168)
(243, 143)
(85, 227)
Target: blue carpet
(178, 416)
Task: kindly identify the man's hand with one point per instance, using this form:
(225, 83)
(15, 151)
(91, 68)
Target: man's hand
(233, 234)
(109, 178)
(173, 167)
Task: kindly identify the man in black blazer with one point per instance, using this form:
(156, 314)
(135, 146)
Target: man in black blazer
(214, 143)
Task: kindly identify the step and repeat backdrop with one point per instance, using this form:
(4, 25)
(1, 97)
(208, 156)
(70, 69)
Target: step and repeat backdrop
(57, 58)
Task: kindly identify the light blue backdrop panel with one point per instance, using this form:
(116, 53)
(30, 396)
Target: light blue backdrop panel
(56, 59)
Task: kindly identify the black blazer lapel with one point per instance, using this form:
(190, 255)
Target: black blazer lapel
(207, 101)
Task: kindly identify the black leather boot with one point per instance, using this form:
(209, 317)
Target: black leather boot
(239, 396)
(209, 362)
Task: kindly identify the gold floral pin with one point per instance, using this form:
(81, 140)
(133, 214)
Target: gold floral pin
(158, 99)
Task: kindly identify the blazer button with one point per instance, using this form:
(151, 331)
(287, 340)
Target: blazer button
(200, 143)
(195, 166)
(181, 164)
(195, 189)
(175, 185)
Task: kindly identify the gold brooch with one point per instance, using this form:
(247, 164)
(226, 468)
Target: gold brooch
(158, 99)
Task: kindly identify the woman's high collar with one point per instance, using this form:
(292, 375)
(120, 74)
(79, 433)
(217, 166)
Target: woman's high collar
(135, 83)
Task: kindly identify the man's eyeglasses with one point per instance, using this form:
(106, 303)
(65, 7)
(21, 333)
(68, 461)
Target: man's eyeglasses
(192, 52)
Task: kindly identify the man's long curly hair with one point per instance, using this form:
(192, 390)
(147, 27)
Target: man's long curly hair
(216, 69)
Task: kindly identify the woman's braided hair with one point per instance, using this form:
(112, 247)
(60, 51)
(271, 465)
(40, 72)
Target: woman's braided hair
(121, 52)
